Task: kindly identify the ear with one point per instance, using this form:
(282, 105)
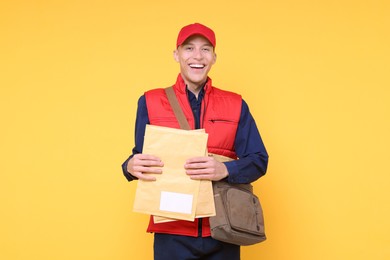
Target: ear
(215, 58)
(176, 55)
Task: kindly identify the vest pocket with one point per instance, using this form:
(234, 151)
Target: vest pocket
(227, 121)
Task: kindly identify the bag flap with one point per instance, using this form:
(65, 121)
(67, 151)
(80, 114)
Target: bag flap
(244, 211)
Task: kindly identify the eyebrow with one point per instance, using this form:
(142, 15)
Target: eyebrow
(204, 45)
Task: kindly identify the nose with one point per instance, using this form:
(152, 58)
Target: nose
(198, 53)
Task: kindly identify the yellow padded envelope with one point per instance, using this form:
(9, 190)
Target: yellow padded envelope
(173, 194)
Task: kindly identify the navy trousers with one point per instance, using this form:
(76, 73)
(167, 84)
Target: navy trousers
(174, 247)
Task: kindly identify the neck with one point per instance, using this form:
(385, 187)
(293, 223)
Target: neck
(195, 88)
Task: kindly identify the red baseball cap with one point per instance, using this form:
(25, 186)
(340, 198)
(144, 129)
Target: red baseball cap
(195, 29)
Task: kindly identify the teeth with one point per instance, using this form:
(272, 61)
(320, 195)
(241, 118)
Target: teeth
(199, 66)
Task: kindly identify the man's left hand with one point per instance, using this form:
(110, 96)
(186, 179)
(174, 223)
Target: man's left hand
(205, 168)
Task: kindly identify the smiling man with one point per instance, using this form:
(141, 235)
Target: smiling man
(232, 133)
(195, 54)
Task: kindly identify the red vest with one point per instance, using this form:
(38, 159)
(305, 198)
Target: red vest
(220, 115)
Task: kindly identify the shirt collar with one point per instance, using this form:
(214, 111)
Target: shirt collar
(191, 96)
(182, 88)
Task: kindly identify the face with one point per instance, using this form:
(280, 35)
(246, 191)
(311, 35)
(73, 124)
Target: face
(196, 56)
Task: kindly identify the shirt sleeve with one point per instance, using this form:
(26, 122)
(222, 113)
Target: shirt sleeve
(250, 149)
(141, 121)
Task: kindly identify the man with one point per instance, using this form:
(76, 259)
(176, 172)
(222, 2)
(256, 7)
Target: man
(232, 133)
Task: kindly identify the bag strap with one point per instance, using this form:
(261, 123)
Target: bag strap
(177, 109)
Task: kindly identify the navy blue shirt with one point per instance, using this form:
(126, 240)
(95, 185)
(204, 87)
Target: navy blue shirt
(253, 157)
(196, 105)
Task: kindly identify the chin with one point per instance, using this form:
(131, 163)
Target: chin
(198, 80)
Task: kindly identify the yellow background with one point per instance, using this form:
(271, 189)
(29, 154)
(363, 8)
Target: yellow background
(316, 77)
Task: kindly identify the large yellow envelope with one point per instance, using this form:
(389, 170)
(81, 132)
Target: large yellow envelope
(173, 194)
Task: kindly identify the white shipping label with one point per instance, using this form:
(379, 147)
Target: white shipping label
(176, 202)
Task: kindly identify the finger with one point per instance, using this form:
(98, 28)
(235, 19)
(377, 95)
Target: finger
(145, 177)
(148, 163)
(197, 165)
(204, 171)
(202, 177)
(146, 157)
(198, 159)
(147, 170)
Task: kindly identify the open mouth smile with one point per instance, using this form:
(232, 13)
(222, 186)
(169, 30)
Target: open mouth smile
(197, 66)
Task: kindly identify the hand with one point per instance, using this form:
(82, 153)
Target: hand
(142, 165)
(205, 168)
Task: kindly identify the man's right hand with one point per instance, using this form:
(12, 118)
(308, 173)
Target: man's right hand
(142, 165)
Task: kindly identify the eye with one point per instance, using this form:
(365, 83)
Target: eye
(189, 48)
(206, 49)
